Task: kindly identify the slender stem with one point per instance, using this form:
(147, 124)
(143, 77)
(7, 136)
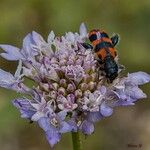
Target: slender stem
(76, 141)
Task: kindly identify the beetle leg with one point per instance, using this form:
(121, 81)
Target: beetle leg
(115, 39)
(87, 45)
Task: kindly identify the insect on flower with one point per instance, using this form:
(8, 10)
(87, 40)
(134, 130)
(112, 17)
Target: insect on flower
(68, 94)
(104, 47)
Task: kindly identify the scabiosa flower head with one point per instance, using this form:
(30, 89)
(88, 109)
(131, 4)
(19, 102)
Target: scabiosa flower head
(68, 94)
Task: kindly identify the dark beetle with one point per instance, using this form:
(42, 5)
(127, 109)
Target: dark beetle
(104, 47)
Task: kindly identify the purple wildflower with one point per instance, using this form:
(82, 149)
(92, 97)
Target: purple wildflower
(69, 93)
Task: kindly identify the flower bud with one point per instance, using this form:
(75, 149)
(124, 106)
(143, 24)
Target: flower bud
(78, 93)
(53, 94)
(87, 78)
(94, 76)
(61, 91)
(55, 85)
(62, 62)
(83, 86)
(63, 83)
(70, 88)
(91, 85)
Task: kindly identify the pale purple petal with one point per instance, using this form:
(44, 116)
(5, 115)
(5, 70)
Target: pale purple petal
(12, 53)
(38, 39)
(83, 30)
(73, 124)
(70, 37)
(121, 93)
(37, 116)
(51, 37)
(105, 110)
(139, 78)
(87, 127)
(27, 41)
(65, 127)
(124, 102)
(6, 79)
(27, 50)
(135, 93)
(62, 115)
(18, 70)
(103, 90)
(53, 136)
(44, 123)
(25, 108)
(94, 116)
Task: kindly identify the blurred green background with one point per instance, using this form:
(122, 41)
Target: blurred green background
(131, 19)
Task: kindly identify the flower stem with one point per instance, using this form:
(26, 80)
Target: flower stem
(76, 141)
